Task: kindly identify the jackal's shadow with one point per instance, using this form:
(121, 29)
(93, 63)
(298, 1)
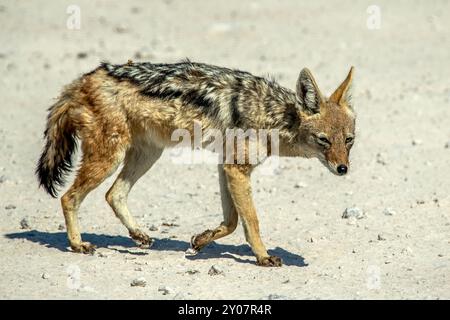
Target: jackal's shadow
(243, 253)
(58, 240)
(240, 253)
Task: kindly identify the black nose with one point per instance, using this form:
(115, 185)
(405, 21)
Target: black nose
(342, 169)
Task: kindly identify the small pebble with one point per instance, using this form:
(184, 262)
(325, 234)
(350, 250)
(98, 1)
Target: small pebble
(407, 251)
(380, 238)
(61, 227)
(353, 212)
(299, 185)
(45, 275)
(121, 29)
(24, 224)
(277, 297)
(153, 228)
(82, 55)
(10, 207)
(165, 290)
(215, 270)
(170, 224)
(389, 212)
(381, 159)
(139, 282)
(416, 142)
(190, 252)
(103, 254)
(192, 271)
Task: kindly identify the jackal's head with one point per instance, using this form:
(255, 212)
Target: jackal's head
(327, 129)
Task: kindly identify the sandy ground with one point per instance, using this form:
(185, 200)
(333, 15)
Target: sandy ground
(400, 159)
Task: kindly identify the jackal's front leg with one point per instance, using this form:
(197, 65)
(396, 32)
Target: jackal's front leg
(238, 178)
(230, 217)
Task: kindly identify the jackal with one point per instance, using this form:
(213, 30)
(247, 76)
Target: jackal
(126, 114)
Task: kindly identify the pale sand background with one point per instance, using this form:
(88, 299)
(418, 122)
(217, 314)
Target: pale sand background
(402, 94)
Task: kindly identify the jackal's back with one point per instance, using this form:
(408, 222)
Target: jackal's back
(224, 97)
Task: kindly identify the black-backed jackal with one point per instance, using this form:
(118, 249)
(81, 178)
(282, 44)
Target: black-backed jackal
(127, 113)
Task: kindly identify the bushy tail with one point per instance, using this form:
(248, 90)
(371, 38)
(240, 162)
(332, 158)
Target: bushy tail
(56, 158)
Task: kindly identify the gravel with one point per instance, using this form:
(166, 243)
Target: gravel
(24, 224)
(215, 270)
(45, 275)
(139, 282)
(190, 252)
(165, 290)
(300, 185)
(389, 212)
(277, 297)
(381, 238)
(353, 212)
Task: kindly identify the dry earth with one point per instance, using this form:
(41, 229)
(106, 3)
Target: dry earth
(401, 159)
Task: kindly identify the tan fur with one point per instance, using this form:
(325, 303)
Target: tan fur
(117, 124)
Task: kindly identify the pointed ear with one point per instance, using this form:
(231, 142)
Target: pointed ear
(343, 94)
(308, 92)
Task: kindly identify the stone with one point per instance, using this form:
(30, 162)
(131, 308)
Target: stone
(299, 185)
(24, 224)
(139, 282)
(45, 275)
(165, 290)
(353, 212)
(277, 297)
(389, 212)
(215, 270)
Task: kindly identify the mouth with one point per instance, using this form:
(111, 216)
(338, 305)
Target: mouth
(332, 168)
(334, 171)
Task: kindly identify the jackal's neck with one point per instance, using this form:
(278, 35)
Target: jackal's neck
(279, 111)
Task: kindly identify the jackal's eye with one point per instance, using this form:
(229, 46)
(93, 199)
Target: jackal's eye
(323, 141)
(349, 140)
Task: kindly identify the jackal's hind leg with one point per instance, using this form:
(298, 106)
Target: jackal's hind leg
(230, 217)
(90, 175)
(137, 163)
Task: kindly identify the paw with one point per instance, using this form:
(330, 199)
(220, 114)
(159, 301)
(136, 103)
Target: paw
(271, 261)
(84, 247)
(141, 239)
(200, 240)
